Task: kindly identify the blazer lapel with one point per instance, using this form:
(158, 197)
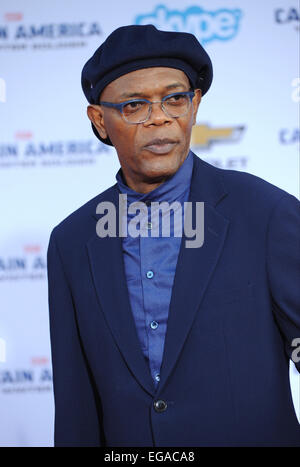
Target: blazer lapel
(107, 267)
(195, 266)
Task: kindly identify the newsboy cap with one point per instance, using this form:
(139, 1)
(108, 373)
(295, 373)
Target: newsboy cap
(131, 48)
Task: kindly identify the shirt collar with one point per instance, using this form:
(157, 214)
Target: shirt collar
(171, 190)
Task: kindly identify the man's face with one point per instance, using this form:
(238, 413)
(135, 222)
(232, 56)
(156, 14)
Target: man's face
(152, 151)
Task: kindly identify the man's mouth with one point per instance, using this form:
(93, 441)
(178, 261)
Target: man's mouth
(160, 145)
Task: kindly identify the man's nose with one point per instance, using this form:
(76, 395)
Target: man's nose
(157, 115)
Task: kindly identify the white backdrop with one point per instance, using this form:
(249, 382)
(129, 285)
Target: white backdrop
(51, 163)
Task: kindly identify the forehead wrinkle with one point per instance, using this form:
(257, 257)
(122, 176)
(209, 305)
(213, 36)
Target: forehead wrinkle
(168, 87)
(144, 83)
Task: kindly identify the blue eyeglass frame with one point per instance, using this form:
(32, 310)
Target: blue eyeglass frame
(120, 106)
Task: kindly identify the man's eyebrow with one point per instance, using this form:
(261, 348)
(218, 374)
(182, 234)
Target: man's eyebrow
(175, 86)
(126, 95)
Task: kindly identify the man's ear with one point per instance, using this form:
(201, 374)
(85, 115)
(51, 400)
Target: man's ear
(196, 103)
(95, 114)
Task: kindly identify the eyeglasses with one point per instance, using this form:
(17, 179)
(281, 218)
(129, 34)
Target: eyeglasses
(139, 110)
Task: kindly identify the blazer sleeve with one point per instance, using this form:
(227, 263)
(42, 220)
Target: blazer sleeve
(77, 409)
(283, 262)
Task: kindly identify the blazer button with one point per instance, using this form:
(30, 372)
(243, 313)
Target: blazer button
(160, 405)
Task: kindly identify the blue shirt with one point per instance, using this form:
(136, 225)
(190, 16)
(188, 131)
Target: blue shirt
(150, 264)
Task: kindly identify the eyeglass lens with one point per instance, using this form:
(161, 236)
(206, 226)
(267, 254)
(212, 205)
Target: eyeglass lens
(139, 111)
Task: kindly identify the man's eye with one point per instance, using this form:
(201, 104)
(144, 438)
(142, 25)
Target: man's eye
(176, 99)
(133, 106)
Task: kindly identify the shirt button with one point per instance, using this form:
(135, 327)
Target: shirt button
(154, 324)
(149, 225)
(150, 274)
(160, 405)
(157, 377)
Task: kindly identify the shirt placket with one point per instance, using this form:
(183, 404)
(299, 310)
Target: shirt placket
(150, 281)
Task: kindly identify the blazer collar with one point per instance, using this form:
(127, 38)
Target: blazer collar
(207, 184)
(173, 189)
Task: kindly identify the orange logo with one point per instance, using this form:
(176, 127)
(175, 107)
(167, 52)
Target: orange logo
(204, 136)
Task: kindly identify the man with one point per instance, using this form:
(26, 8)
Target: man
(155, 343)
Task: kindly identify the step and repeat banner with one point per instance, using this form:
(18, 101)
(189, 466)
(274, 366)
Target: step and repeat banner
(51, 163)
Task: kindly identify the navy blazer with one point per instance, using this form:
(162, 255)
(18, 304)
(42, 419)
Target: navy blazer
(234, 312)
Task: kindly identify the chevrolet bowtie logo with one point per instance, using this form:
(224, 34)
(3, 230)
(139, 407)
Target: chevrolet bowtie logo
(204, 136)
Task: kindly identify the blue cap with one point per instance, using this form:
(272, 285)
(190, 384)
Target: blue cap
(131, 48)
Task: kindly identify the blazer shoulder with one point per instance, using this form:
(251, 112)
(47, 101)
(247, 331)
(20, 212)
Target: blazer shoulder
(81, 221)
(249, 186)
(242, 191)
